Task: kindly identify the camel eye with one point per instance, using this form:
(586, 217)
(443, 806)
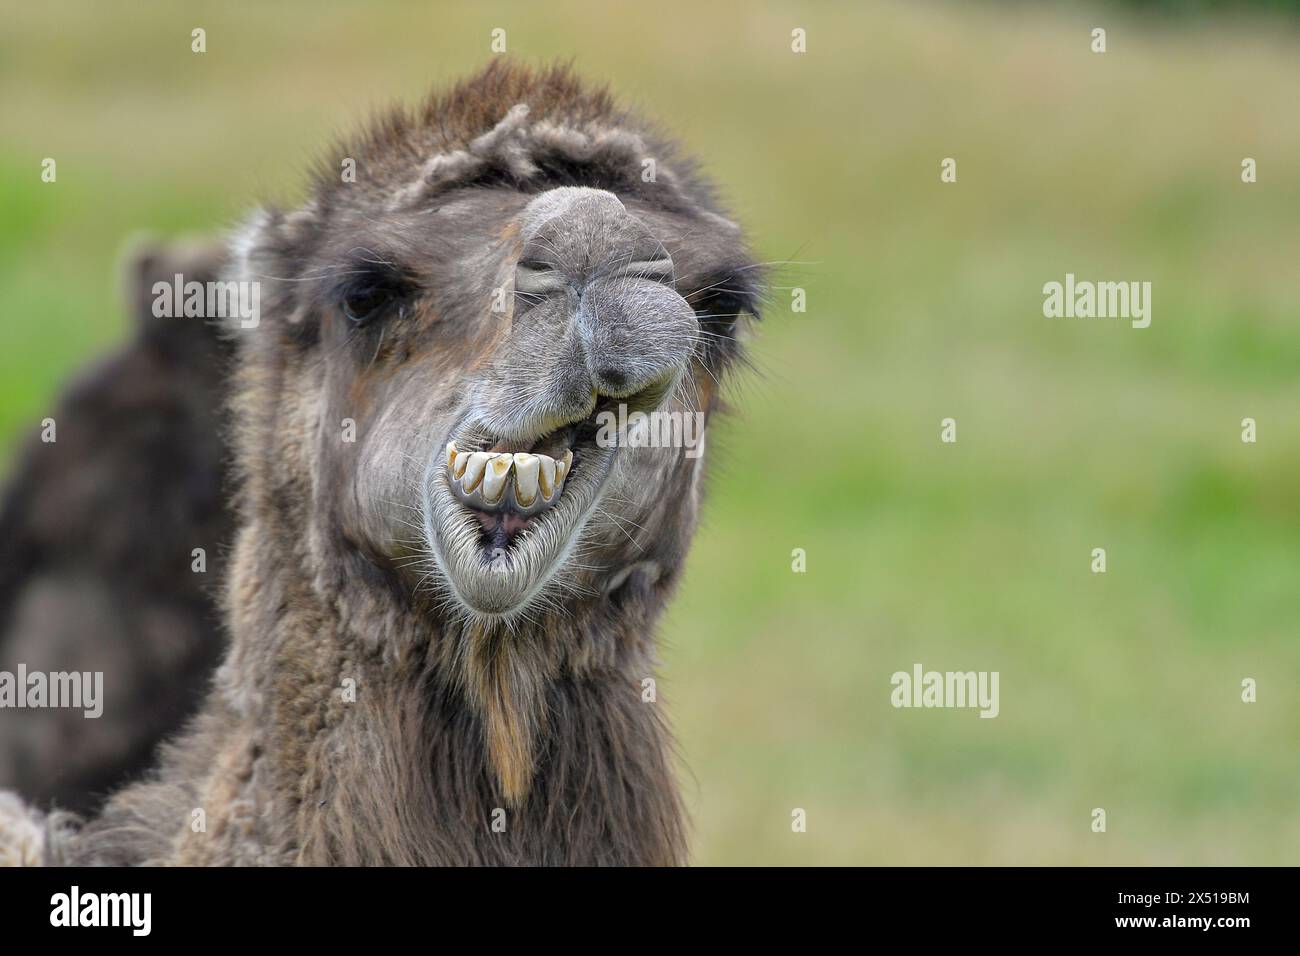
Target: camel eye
(363, 306)
(536, 278)
(657, 269)
(374, 298)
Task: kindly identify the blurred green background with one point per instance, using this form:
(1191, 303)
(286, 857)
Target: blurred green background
(1119, 690)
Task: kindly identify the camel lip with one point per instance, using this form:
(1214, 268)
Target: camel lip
(500, 528)
(575, 434)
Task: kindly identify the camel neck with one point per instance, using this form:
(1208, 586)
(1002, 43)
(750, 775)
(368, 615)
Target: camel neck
(546, 744)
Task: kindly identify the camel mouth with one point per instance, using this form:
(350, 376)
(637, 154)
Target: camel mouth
(506, 490)
(508, 483)
(502, 516)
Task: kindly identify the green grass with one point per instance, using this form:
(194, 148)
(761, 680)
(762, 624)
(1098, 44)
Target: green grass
(924, 301)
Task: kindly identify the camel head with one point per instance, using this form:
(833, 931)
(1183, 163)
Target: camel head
(496, 348)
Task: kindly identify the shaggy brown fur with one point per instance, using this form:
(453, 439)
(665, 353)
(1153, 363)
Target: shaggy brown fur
(389, 698)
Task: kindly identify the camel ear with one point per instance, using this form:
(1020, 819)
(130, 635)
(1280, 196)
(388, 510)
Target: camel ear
(149, 264)
(265, 250)
(248, 242)
(141, 266)
(270, 239)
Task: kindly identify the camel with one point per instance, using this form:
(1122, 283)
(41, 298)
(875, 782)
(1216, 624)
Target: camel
(98, 533)
(443, 593)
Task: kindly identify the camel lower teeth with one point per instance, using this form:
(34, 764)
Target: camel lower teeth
(503, 481)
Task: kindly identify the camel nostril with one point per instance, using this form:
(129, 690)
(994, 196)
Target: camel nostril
(613, 380)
